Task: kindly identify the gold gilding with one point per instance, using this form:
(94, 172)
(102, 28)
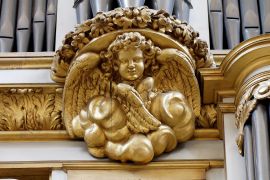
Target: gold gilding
(132, 101)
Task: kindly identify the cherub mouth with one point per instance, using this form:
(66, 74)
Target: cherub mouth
(132, 71)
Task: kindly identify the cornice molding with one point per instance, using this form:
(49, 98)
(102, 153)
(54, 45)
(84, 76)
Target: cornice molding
(192, 164)
(26, 60)
(62, 135)
(243, 74)
(236, 66)
(68, 165)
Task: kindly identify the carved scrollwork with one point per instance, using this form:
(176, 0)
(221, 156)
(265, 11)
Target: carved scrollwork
(246, 105)
(30, 109)
(129, 18)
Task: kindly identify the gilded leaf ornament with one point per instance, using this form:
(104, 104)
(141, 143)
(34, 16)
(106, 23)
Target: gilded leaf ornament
(30, 109)
(246, 105)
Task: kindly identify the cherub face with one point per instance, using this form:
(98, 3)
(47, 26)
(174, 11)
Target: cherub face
(131, 65)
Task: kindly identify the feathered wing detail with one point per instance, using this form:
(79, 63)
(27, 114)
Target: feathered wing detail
(177, 74)
(139, 119)
(83, 82)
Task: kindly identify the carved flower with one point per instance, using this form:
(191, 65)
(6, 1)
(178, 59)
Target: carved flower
(79, 41)
(162, 22)
(123, 18)
(122, 21)
(101, 24)
(179, 28)
(59, 66)
(141, 17)
(62, 60)
(68, 38)
(200, 47)
(128, 17)
(66, 52)
(85, 27)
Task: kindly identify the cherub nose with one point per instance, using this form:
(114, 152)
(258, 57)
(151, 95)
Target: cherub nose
(131, 64)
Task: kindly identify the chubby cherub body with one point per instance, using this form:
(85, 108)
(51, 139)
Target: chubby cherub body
(134, 121)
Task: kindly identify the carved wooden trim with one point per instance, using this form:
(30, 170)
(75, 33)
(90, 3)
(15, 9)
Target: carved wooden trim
(247, 104)
(129, 18)
(31, 107)
(227, 79)
(26, 60)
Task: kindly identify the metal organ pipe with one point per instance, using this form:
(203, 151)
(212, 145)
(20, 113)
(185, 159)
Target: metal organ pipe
(165, 5)
(181, 9)
(248, 152)
(261, 142)
(100, 5)
(250, 18)
(216, 23)
(39, 24)
(82, 10)
(130, 3)
(232, 22)
(7, 24)
(253, 21)
(23, 25)
(265, 15)
(51, 24)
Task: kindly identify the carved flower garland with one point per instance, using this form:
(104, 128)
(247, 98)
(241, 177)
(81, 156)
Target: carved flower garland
(124, 18)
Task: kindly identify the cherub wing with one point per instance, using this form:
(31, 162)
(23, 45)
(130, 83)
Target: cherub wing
(84, 80)
(177, 73)
(139, 119)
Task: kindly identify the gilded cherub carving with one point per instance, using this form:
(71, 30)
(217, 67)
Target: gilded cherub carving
(133, 101)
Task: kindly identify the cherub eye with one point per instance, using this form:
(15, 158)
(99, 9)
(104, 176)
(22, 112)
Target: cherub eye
(123, 60)
(137, 59)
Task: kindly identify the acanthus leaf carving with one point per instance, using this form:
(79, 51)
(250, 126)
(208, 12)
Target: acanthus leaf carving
(30, 109)
(207, 117)
(246, 105)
